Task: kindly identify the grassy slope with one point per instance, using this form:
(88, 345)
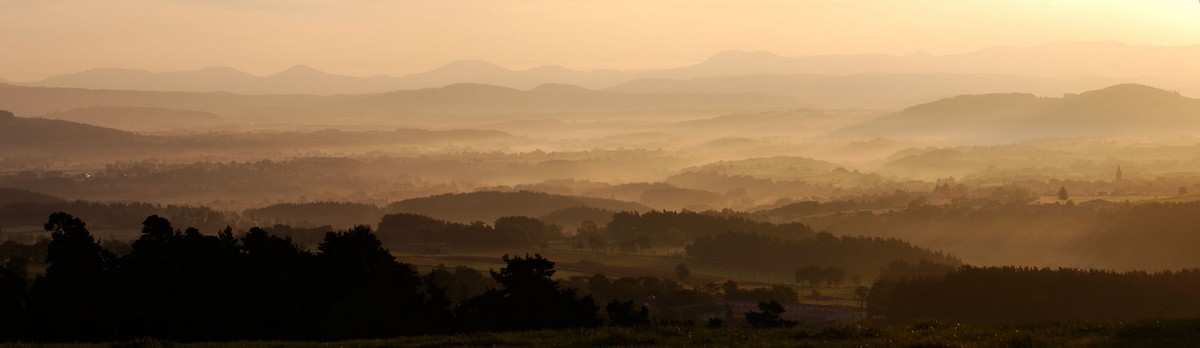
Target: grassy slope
(925, 334)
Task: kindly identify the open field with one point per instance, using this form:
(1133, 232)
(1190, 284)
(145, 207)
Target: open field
(923, 334)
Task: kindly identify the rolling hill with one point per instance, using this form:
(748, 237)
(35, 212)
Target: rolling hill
(31, 136)
(487, 206)
(997, 118)
(453, 100)
(870, 91)
(137, 119)
(12, 195)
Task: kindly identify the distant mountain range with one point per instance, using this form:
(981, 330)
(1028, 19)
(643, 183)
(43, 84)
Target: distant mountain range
(32, 136)
(884, 91)
(453, 100)
(1045, 70)
(997, 118)
(980, 118)
(303, 79)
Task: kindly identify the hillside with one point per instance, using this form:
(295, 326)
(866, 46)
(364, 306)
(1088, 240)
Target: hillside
(777, 167)
(872, 91)
(995, 118)
(136, 119)
(12, 195)
(487, 206)
(340, 215)
(40, 136)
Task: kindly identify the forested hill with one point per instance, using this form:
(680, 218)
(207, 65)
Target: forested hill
(490, 205)
(38, 136)
(1116, 110)
(12, 195)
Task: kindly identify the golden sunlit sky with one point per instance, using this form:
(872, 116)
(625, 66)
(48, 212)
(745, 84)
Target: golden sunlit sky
(368, 37)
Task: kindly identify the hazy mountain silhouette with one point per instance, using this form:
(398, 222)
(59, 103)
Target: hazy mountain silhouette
(1060, 59)
(302, 79)
(39, 100)
(207, 79)
(874, 91)
(549, 98)
(137, 119)
(21, 136)
(299, 79)
(477, 71)
(459, 99)
(1116, 110)
(1169, 66)
(487, 206)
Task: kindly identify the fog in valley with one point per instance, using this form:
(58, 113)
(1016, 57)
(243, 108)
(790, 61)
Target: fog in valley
(807, 171)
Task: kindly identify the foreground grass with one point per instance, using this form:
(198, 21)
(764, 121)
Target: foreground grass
(1182, 333)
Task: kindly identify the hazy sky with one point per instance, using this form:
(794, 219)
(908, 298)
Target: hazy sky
(39, 38)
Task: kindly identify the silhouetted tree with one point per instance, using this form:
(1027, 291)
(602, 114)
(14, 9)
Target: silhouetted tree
(1063, 194)
(768, 315)
(682, 272)
(529, 300)
(75, 295)
(172, 282)
(12, 303)
(861, 293)
(370, 294)
(623, 313)
(811, 274)
(833, 275)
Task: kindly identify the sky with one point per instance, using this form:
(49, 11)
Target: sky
(40, 38)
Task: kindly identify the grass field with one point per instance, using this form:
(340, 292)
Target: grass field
(924, 334)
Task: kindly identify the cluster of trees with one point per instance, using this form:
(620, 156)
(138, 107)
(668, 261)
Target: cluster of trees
(788, 210)
(641, 290)
(313, 214)
(923, 269)
(400, 230)
(660, 296)
(1015, 294)
(491, 205)
(1105, 235)
(855, 255)
(1145, 236)
(815, 276)
(774, 293)
(677, 228)
(113, 215)
(183, 285)
(768, 315)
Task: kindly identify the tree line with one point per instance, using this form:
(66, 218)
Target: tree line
(183, 285)
(398, 230)
(863, 256)
(1023, 295)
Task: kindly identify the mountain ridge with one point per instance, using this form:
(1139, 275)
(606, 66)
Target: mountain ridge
(1167, 66)
(998, 118)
